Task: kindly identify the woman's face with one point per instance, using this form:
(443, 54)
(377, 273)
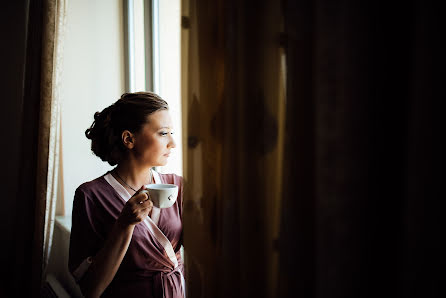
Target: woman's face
(154, 141)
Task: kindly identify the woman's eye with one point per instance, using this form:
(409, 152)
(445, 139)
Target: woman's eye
(163, 133)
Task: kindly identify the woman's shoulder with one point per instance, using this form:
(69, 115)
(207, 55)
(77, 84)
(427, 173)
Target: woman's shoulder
(92, 185)
(171, 178)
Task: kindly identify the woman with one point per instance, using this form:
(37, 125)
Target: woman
(121, 245)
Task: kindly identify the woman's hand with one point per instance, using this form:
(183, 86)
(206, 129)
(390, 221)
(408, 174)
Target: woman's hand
(136, 209)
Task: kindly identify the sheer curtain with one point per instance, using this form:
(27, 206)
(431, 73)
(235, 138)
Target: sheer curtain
(49, 134)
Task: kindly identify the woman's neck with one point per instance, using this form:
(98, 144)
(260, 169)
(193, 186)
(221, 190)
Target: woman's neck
(133, 174)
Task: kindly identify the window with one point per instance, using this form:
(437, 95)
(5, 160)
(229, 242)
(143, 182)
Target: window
(152, 38)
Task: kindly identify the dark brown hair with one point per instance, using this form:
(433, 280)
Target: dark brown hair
(130, 113)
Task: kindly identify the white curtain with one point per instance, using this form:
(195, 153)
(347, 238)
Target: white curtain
(49, 126)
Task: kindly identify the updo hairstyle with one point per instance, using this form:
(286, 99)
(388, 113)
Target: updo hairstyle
(130, 113)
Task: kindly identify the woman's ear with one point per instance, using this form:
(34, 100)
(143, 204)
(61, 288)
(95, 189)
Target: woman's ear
(128, 139)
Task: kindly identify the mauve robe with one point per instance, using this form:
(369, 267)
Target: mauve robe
(146, 270)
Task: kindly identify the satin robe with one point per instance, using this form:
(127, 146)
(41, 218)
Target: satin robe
(147, 270)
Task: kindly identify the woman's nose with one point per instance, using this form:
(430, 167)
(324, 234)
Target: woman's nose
(172, 143)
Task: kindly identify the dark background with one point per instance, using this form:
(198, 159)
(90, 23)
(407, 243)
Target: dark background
(366, 86)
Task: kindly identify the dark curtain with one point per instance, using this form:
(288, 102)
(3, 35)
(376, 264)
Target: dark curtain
(314, 148)
(21, 29)
(234, 99)
(362, 212)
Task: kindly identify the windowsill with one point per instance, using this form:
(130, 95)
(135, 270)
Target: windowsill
(64, 222)
(58, 260)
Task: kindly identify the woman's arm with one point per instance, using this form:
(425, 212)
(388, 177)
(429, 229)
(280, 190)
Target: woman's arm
(107, 261)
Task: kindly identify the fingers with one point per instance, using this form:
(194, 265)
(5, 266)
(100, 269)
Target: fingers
(142, 201)
(139, 197)
(148, 204)
(137, 208)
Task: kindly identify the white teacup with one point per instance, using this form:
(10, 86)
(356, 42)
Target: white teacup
(162, 195)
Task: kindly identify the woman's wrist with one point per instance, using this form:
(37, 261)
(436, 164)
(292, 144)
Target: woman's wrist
(123, 226)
